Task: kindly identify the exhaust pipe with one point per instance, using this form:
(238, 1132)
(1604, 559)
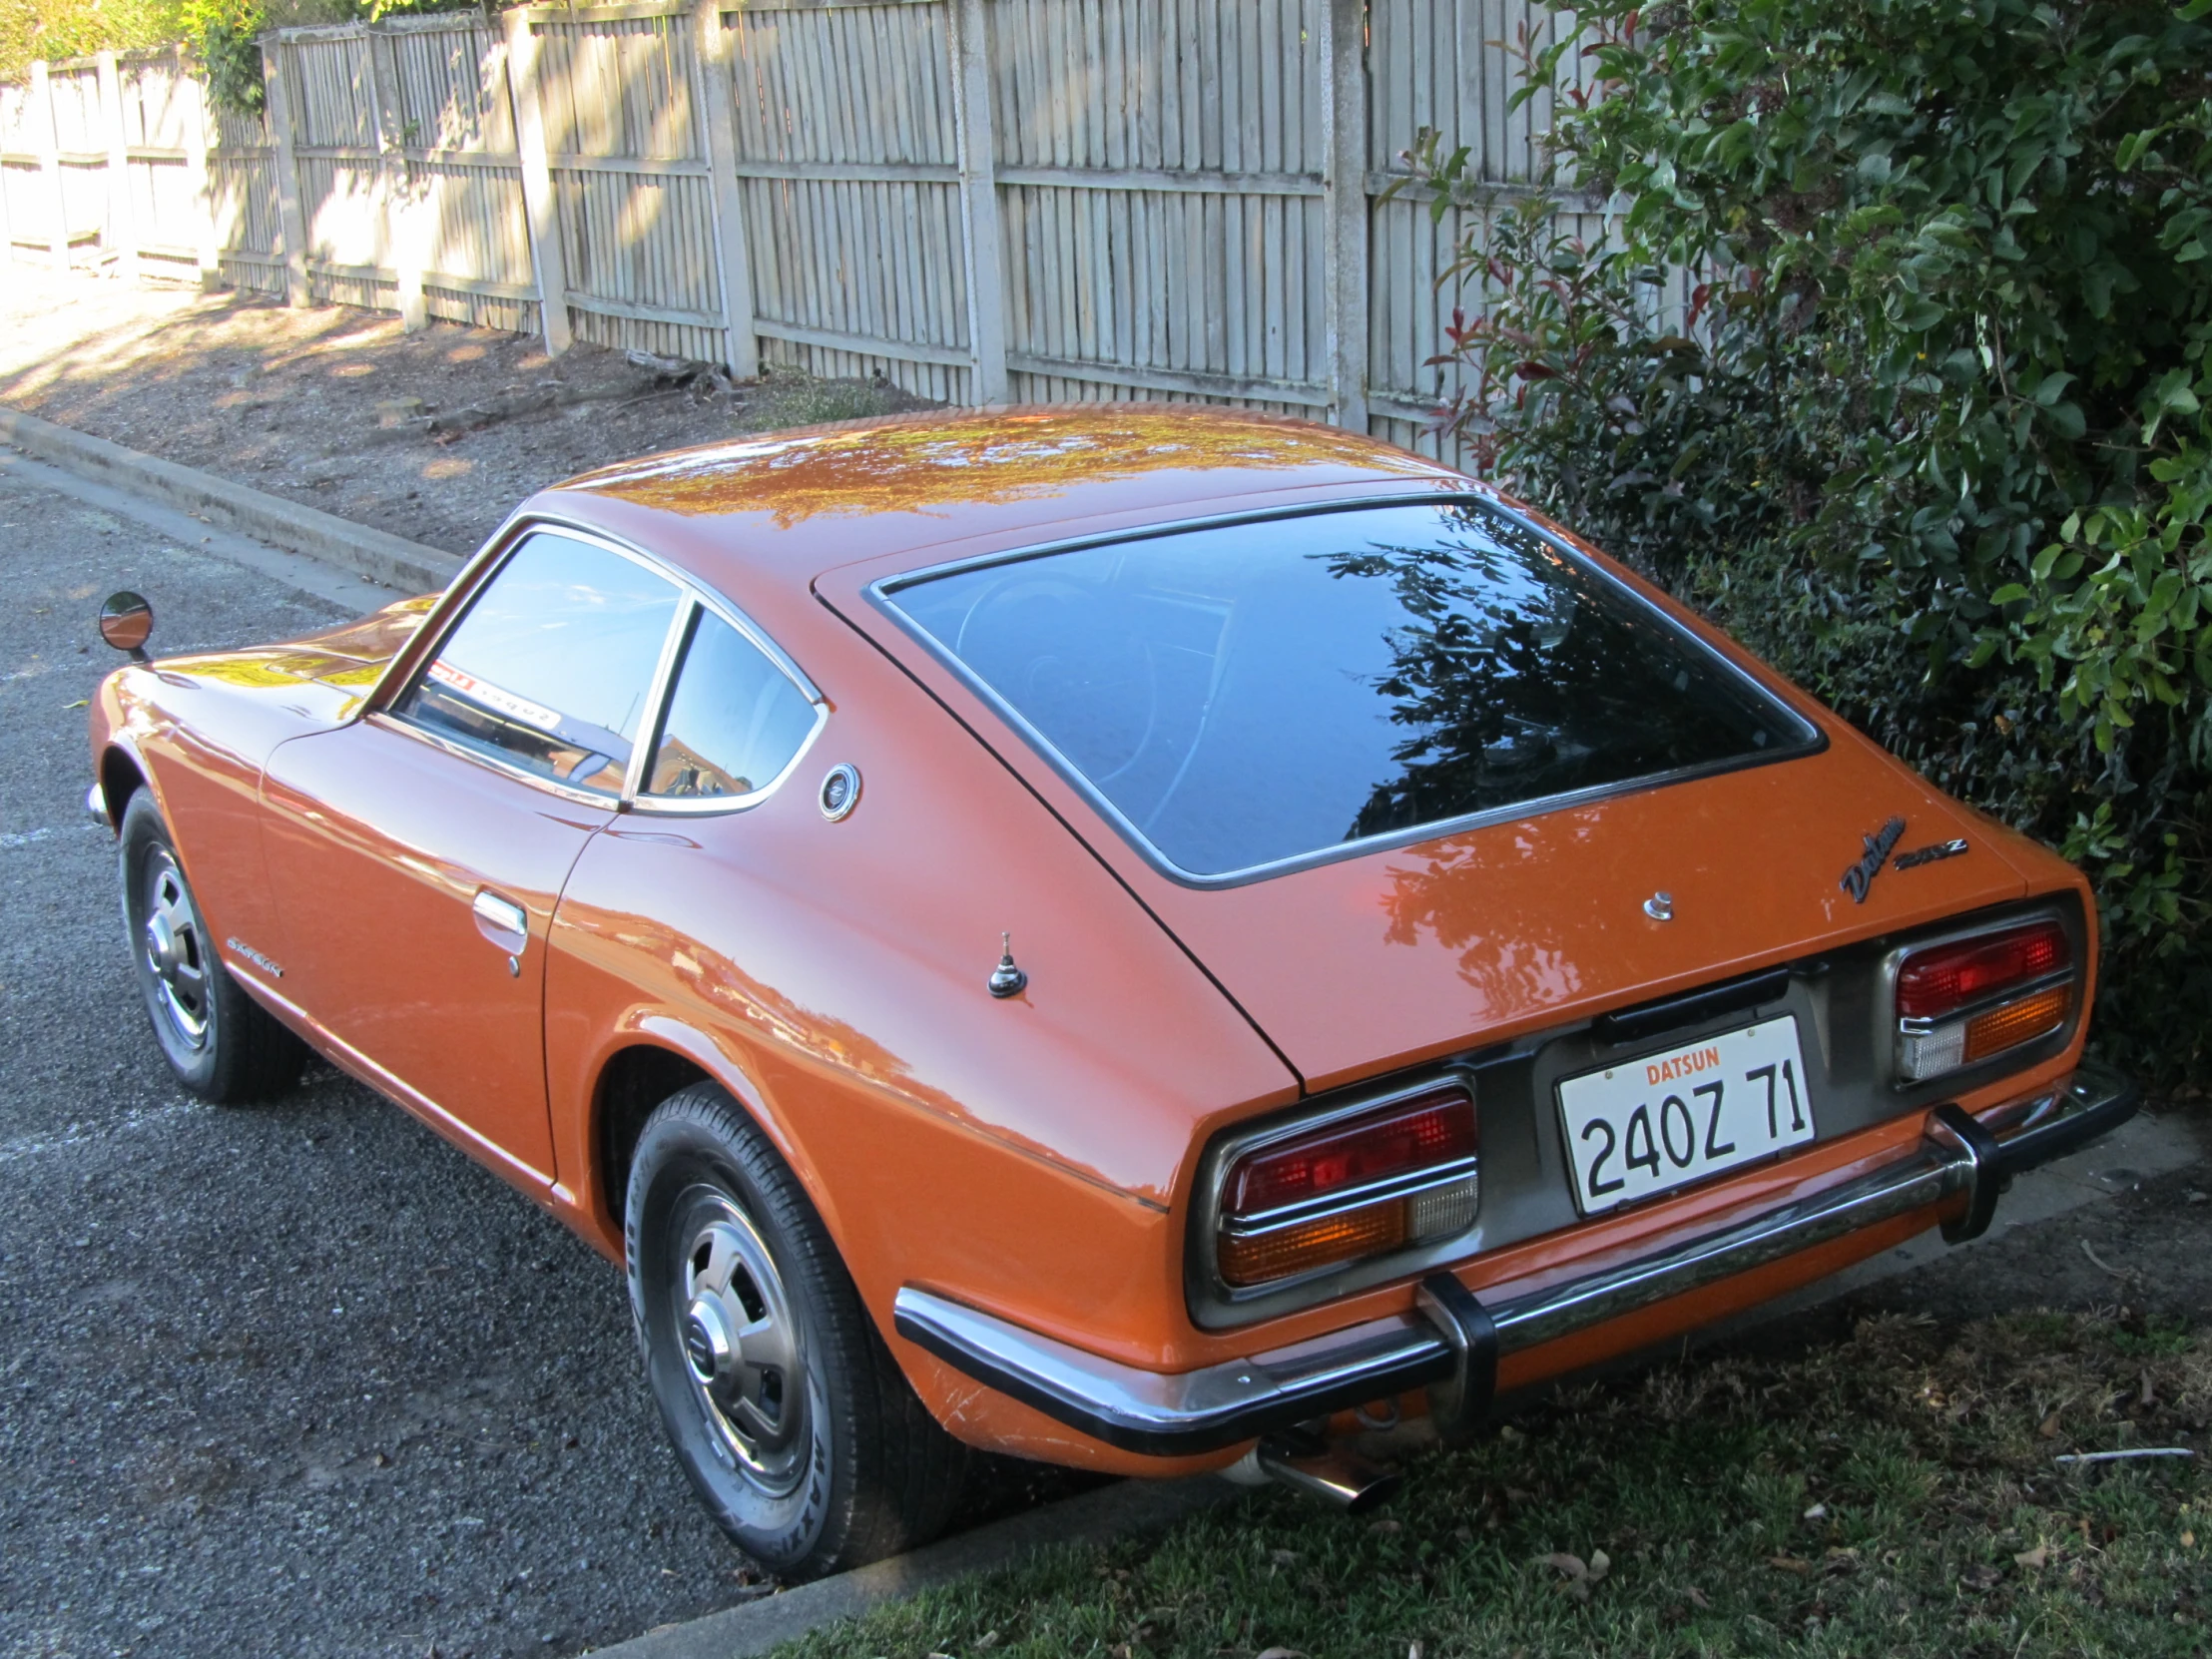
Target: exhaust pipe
(1331, 1473)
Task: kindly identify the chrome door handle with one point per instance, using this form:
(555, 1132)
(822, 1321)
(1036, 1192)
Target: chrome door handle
(501, 921)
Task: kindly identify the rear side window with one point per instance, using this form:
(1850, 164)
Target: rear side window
(551, 667)
(734, 721)
(1248, 694)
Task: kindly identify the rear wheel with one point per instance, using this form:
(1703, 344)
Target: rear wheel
(784, 1407)
(222, 1044)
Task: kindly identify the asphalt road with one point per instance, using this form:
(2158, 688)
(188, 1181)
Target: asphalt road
(290, 1379)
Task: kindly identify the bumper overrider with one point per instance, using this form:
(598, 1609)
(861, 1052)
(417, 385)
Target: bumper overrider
(1452, 1343)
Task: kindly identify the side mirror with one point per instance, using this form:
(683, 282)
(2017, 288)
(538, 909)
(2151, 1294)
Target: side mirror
(125, 621)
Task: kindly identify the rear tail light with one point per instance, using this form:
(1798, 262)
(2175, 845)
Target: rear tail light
(1963, 1002)
(1404, 1175)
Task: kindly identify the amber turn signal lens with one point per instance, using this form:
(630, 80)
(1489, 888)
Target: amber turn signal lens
(1320, 1243)
(2018, 1022)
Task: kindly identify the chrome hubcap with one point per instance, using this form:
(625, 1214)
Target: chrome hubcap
(741, 1346)
(175, 950)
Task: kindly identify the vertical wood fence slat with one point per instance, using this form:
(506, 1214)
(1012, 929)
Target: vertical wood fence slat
(404, 194)
(46, 145)
(539, 206)
(742, 355)
(192, 114)
(980, 230)
(1343, 124)
(122, 235)
(291, 223)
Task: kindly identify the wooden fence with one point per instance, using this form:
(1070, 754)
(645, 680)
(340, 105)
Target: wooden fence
(980, 200)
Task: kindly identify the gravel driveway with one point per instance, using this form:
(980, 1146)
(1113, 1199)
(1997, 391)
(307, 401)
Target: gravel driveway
(290, 1379)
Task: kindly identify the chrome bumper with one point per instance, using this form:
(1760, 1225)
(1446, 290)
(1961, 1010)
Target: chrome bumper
(1454, 1341)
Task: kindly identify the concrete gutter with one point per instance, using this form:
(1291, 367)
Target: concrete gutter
(1116, 1512)
(378, 557)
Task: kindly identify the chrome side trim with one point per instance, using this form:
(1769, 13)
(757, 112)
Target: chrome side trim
(1408, 1185)
(1170, 1412)
(672, 642)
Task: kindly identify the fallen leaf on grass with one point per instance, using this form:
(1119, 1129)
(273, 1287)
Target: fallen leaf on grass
(2033, 1557)
(1279, 1653)
(1981, 1578)
(1788, 1563)
(1696, 1596)
(1283, 1557)
(2048, 1427)
(1581, 1577)
(79, 703)
(985, 1642)
(1819, 1511)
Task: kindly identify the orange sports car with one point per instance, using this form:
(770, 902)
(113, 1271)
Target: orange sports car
(1120, 936)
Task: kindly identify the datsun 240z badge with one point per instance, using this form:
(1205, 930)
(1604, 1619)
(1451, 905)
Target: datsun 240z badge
(1858, 879)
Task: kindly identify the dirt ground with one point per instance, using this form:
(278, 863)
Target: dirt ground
(433, 437)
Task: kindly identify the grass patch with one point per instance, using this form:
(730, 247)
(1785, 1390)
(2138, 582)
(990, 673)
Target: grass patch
(1894, 1493)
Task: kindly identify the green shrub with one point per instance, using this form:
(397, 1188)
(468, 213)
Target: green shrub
(54, 29)
(1933, 430)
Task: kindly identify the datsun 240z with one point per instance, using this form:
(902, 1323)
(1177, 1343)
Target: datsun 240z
(1120, 936)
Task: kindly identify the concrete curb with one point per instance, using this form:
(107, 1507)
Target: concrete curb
(1116, 1512)
(391, 560)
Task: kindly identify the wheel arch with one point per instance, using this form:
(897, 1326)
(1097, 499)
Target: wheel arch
(642, 1067)
(120, 777)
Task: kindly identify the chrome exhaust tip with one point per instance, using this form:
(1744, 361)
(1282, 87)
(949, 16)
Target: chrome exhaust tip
(1331, 1473)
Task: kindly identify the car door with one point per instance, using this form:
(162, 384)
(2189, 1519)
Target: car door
(417, 854)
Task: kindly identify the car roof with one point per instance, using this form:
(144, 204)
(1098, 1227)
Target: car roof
(781, 508)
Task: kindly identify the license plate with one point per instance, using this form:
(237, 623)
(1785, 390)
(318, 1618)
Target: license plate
(1666, 1119)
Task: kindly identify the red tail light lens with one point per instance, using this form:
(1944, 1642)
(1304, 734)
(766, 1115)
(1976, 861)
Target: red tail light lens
(1350, 1190)
(1946, 978)
(1963, 1002)
(1437, 1129)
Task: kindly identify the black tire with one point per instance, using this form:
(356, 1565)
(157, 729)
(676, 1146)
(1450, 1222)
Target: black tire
(835, 1462)
(222, 1046)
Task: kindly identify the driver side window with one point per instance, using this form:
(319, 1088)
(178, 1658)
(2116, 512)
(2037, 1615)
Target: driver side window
(550, 668)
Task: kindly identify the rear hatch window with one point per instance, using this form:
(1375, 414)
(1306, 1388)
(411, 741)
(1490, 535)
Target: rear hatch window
(1249, 696)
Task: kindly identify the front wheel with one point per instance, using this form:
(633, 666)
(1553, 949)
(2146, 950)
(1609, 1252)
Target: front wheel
(784, 1407)
(222, 1044)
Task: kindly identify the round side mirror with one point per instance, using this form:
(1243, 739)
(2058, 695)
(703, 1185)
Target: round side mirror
(125, 621)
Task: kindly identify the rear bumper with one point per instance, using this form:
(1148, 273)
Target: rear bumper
(1169, 1413)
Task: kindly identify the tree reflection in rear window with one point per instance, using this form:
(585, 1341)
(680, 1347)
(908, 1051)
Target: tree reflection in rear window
(1251, 693)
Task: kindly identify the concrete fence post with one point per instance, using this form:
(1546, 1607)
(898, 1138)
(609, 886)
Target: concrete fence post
(290, 219)
(46, 140)
(1343, 118)
(981, 229)
(541, 206)
(194, 112)
(122, 226)
(718, 85)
